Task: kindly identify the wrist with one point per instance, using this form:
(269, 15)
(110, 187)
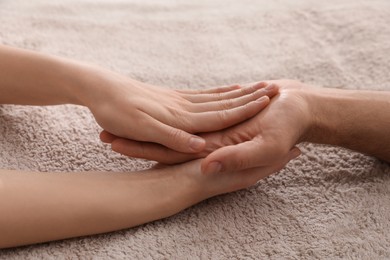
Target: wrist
(325, 105)
(184, 186)
(95, 86)
(82, 83)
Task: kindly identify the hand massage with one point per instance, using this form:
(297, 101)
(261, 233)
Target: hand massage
(208, 142)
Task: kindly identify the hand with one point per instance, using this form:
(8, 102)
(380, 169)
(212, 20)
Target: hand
(203, 186)
(142, 112)
(259, 142)
(268, 137)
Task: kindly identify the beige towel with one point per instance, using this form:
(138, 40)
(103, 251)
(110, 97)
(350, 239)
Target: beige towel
(329, 203)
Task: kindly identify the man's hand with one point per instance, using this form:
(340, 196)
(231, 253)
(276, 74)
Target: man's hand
(259, 142)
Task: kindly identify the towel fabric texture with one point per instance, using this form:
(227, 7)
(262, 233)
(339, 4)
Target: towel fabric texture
(330, 203)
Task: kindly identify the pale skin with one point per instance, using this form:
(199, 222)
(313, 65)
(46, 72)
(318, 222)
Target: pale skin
(246, 152)
(64, 205)
(354, 119)
(167, 117)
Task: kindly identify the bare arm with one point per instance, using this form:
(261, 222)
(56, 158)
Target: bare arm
(169, 117)
(39, 207)
(30, 78)
(354, 119)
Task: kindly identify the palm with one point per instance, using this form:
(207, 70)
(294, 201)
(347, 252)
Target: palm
(267, 137)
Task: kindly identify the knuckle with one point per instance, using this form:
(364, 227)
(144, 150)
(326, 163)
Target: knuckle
(240, 164)
(256, 94)
(226, 104)
(244, 91)
(233, 87)
(247, 110)
(218, 96)
(187, 122)
(175, 134)
(223, 115)
(249, 90)
(236, 137)
(174, 111)
(182, 119)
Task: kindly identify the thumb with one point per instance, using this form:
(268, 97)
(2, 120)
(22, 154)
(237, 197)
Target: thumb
(246, 155)
(107, 137)
(250, 154)
(252, 176)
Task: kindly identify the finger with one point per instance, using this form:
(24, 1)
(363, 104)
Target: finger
(250, 177)
(217, 120)
(107, 137)
(237, 180)
(294, 153)
(150, 151)
(201, 98)
(171, 137)
(225, 104)
(210, 90)
(246, 155)
(233, 158)
(281, 163)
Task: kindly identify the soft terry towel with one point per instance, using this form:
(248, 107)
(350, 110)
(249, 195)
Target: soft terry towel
(329, 203)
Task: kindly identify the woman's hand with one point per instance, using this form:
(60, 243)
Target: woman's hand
(129, 199)
(125, 107)
(260, 142)
(142, 112)
(203, 186)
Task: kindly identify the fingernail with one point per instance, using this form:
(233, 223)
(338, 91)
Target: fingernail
(213, 167)
(297, 153)
(270, 87)
(262, 99)
(196, 143)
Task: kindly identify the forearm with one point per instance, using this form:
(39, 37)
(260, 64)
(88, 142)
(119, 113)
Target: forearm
(39, 207)
(354, 119)
(31, 78)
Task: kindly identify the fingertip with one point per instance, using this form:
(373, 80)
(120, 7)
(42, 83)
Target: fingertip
(197, 144)
(219, 161)
(213, 167)
(107, 137)
(174, 138)
(263, 100)
(271, 87)
(225, 89)
(260, 85)
(254, 107)
(235, 87)
(294, 153)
